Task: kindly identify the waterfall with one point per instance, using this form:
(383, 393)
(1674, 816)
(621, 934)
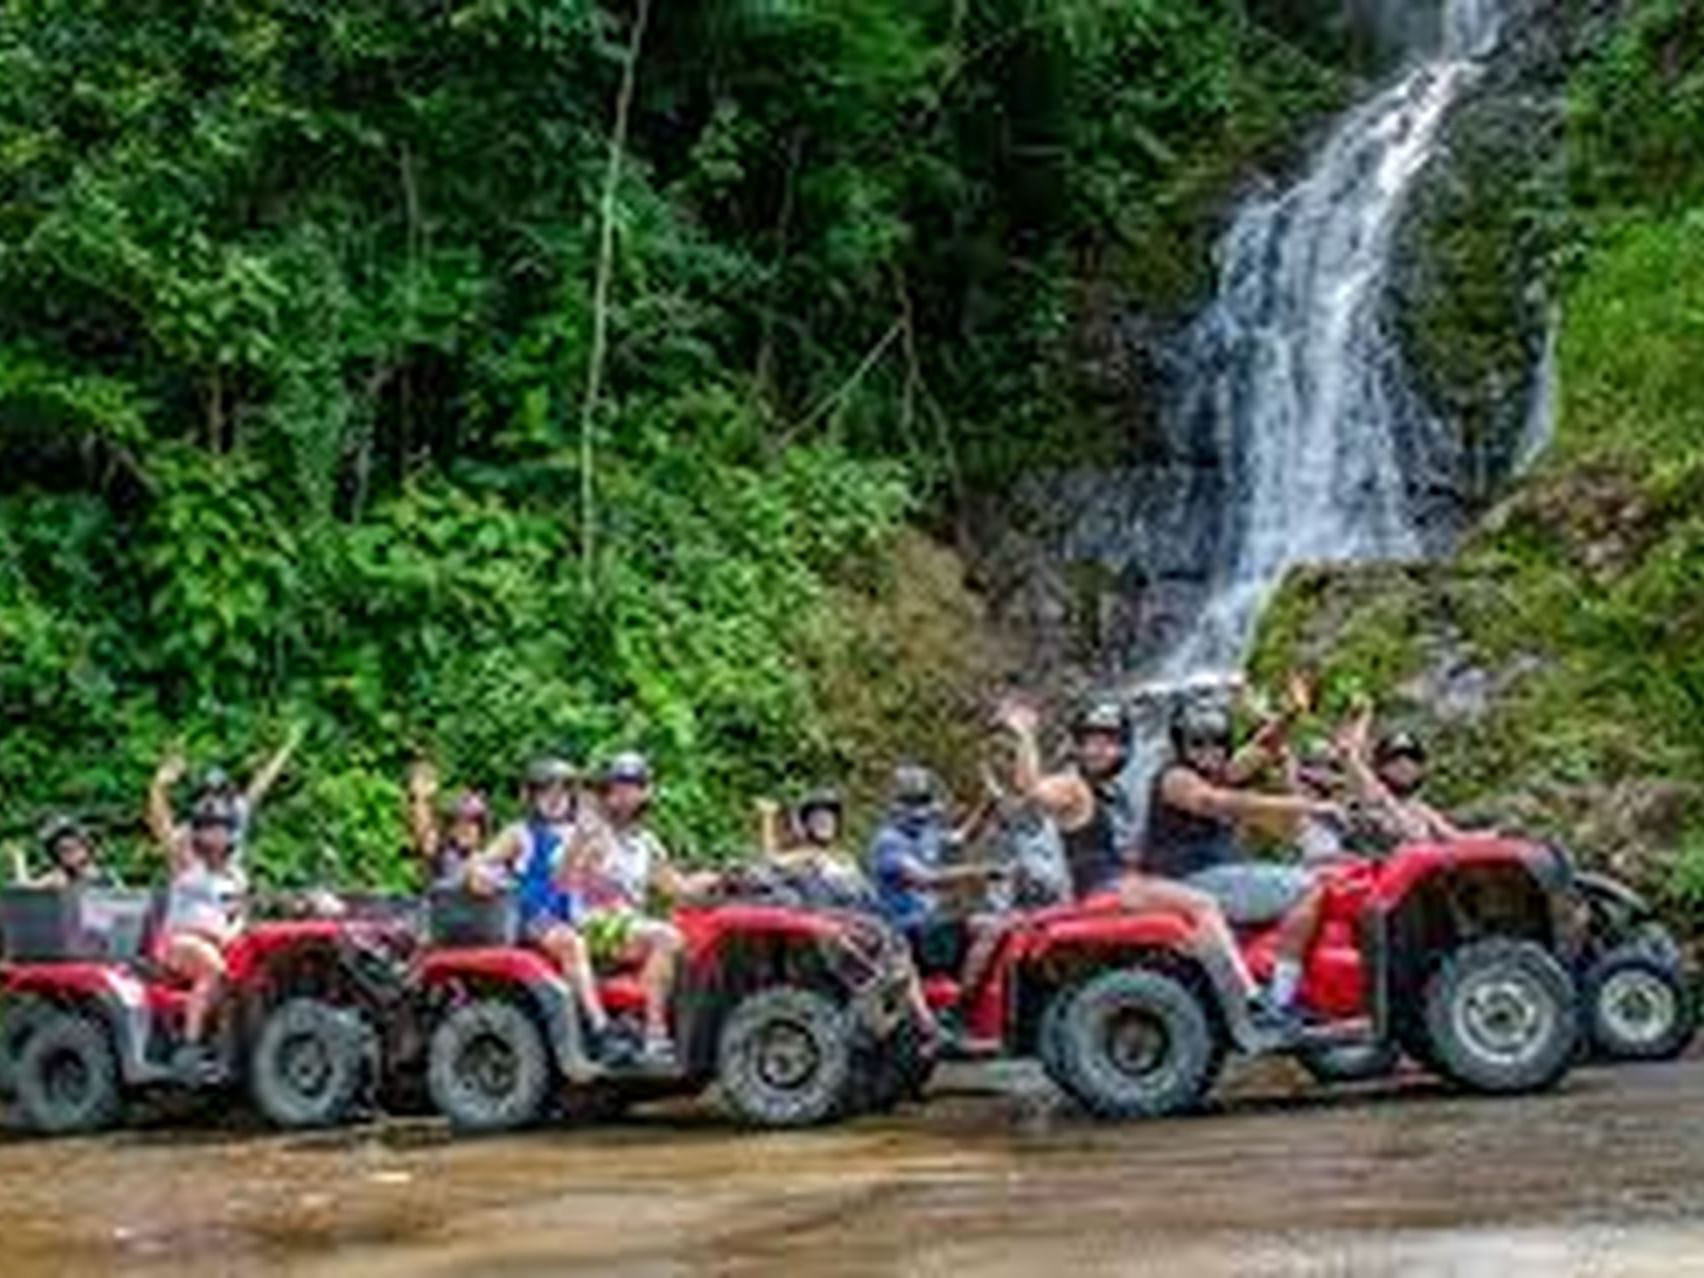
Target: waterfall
(1291, 371)
(1292, 387)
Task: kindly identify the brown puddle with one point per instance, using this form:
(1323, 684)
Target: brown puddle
(1606, 1177)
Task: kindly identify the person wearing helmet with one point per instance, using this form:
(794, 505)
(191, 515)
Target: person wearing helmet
(206, 903)
(1387, 776)
(1199, 800)
(71, 857)
(447, 843)
(1089, 804)
(217, 784)
(533, 857)
(805, 843)
(911, 857)
(617, 869)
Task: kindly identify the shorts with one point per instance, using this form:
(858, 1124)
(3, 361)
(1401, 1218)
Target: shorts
(1253, 891)
(608, 935)
(541, 917)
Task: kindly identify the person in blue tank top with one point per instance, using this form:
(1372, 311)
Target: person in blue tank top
(533, 858)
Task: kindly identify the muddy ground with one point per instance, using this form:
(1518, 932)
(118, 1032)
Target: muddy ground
(1604, 1177)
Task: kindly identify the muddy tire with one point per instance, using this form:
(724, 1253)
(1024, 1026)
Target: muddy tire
(1049, 1043)
(1350, 1062)
(488, 1068)
(1136, 1043)
(1502, 1016)
(310, 1063)
(67, 1077)
(20, 1016)
(784, 1058)
(1635, 1007)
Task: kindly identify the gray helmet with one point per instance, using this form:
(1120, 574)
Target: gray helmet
(1105, 717)
(914, 786)
(1200, 725)
(549, 770)
(629, 767)
(214, 811)
(215, 781)
(825, 799)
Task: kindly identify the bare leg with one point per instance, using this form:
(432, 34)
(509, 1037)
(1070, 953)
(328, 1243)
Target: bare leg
(985, 936)
(1299, 927)
(661, 945)
(1141, 892)
(568, 950)
(199, 959)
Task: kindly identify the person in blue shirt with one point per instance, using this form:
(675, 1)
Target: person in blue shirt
(912, 861)
(533, 857)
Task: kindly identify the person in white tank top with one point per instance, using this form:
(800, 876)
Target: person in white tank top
(616, 869)
(205, 902)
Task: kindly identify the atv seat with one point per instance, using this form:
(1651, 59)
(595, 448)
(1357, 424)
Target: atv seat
(940, 991)
(622, 993)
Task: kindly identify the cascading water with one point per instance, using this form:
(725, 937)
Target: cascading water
(1305, 439)
(1291, 372)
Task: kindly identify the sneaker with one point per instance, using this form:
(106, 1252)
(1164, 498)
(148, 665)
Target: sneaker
(1280, 1027)
(194, 1065)
(657, 1055)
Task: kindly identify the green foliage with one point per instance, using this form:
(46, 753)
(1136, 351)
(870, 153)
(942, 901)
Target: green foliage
(1582, 599)
(294, 324)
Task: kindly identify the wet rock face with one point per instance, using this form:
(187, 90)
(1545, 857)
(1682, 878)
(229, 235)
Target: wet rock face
(1471, 299)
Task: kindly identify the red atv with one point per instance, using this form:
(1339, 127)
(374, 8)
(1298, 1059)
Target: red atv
(796, 1015)
(1457, 954)
(1636, 997)
(88, 1017)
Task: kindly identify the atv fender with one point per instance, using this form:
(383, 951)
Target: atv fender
(1115, 930)
(121, 1000)
(530, 975)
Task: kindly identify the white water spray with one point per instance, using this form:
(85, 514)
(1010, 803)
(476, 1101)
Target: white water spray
(1291, 370)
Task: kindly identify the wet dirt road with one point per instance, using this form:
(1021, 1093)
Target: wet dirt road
(1604, 1178)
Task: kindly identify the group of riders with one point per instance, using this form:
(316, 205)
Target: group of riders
(588, 873)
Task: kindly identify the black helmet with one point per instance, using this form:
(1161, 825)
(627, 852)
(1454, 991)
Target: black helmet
(1399, 745)
(214, 811)
(914, 786)
(629, 767)
(549, 770)
(1106, 717)
(823, 800)
(60, 827)
(1200, 725)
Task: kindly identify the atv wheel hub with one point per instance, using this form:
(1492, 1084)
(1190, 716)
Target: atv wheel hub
(787, 1056)
(1637, 1007)
(489, 1065)
(67, 1078)
(307, 1064)
(1136, 1044)
(1503, 1016)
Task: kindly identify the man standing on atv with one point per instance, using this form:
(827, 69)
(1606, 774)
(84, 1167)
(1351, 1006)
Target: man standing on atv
(1090, 804)
(1199, 800)
(616, 868)
(535, 855)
